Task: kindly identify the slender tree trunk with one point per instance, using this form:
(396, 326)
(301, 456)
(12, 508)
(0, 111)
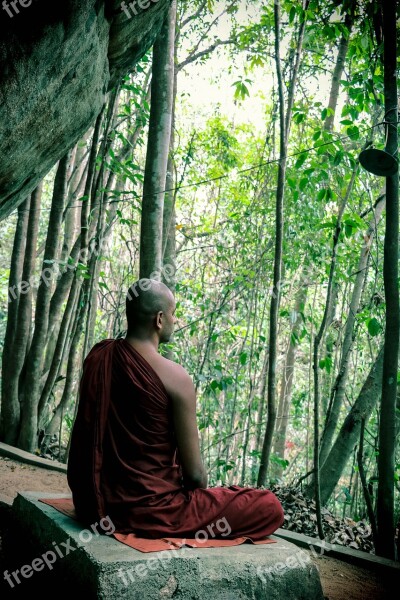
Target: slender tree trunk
(275, 298)
(317, 342)
(260, 414)
(158, 148)
(245, 446)
(100, 235)
(80, 248)
(62, 290)
(22, 334)
(72, 365)
(287, 381)
(349, 433)
(239, 366)
(338, 70)
(31, 385)
(339, 388)
(58, 351)
(9, 402)
(70, 213)
(169, 222)
(387, 425)
(73, 356)
(367, 495)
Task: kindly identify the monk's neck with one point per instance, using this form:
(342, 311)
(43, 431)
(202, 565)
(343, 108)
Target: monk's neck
(144, 346)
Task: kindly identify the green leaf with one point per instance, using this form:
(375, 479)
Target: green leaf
(326, 363)
(348, 229)
(338, 158)
(303, 184)
(316, 135)
(301, 160)
(243, 358)
(353, 132)
(241, 90)
(374, 327)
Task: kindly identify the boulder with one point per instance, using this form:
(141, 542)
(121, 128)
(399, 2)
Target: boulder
(50, 552)
(58, 61)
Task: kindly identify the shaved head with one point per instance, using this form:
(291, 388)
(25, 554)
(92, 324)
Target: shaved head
(145, 299)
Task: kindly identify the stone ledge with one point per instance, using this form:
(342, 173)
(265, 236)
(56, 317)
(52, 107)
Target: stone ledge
(105, 569)
(355, 557)
(31, 459)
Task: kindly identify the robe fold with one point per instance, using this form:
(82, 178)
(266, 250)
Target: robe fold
(124, 462)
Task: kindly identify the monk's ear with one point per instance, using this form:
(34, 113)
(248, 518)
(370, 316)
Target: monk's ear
(159, 317)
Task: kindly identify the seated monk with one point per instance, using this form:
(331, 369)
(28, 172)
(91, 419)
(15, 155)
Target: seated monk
(134, 453)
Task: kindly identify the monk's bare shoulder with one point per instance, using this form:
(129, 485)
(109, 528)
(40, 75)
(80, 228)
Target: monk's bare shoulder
(175, 378)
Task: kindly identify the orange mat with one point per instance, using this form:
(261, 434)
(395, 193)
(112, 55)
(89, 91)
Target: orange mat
(65, 506)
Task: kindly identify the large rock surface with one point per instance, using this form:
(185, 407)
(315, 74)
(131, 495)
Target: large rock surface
(102, 568)
(58, 61)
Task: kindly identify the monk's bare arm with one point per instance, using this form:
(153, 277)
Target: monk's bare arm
(183, 397)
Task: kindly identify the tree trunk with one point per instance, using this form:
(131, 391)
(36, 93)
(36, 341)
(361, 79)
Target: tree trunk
(59, 349)
(99, 200)
(287, 381)
(9, 402)
(338, 70)
(317, 342)
(349, 433)
(158, 148)
(387, 425)
(73, 357)
(339, 388)
(31, 385)
(12, 421)
(63, 287)
(80, 248)
(169, 222)
(275, 297)
(72, 364)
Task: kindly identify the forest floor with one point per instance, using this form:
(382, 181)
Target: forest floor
(340, 580)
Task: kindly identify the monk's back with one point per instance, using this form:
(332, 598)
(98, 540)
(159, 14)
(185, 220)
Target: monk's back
(123, 449)
(139, 443)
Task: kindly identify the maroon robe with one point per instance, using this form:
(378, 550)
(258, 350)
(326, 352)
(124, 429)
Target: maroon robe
(124, 462)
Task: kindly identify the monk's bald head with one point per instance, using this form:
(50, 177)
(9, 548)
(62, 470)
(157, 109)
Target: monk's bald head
(144, 300)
